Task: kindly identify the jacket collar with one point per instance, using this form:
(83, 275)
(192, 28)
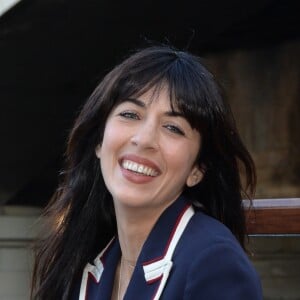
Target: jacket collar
(154, 262)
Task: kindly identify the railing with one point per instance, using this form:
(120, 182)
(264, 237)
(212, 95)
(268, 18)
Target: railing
(273, 216)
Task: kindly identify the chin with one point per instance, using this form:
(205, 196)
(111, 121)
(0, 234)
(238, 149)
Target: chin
(132, 201)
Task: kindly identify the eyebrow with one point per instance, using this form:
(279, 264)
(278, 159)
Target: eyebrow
(142, 104)
(136, 102)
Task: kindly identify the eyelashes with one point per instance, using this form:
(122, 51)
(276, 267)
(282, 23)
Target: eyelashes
(130, 115)
(174, 129)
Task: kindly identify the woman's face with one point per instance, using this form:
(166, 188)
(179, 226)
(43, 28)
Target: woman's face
(148, 153)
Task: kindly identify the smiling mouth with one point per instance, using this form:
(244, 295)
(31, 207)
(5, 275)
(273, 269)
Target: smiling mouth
(139, 168)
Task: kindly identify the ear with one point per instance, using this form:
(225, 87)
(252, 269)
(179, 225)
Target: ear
(98, 151)
(195, 176)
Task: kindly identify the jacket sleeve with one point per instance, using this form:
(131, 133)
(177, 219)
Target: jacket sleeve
(222, 272)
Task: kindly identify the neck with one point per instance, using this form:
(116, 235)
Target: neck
(133, 227)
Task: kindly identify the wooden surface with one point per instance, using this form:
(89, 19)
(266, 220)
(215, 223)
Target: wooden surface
(273, 216)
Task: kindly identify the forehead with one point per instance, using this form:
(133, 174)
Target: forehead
(155, 95)
(158, 95)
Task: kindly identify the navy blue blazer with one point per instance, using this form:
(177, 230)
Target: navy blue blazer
(187, 256)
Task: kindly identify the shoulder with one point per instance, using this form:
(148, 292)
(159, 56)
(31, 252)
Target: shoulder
(204, 234)
(213, 260)
(205, 231)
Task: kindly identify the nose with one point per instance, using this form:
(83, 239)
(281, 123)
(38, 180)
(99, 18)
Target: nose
(146, 136)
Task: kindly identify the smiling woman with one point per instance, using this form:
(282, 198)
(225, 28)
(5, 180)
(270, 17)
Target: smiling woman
(152, 177)
(145, 136)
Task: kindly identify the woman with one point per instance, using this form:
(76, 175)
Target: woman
(152, 179)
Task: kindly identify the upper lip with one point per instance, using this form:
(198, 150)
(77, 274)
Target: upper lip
(140, 160)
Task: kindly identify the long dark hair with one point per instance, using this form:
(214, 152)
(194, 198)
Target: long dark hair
(80, 218)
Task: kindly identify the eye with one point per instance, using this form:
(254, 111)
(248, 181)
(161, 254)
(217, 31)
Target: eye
(129, 115)
(174, 129)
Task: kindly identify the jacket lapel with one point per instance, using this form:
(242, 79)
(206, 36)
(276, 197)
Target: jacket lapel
(155, 261)
(98, 278)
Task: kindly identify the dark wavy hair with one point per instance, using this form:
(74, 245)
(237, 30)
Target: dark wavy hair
(80, 218)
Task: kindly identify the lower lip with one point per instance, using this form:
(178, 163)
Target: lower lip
(135, 177)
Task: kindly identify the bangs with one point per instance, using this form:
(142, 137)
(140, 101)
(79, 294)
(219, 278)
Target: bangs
(185, 79)
(187, 95)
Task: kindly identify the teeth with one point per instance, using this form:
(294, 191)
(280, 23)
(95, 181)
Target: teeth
(138, 168)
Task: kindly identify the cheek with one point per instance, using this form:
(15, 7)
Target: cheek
(181, 156)
(176, 156)
(112, 137)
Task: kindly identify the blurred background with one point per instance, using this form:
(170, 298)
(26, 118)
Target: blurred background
(54, 52)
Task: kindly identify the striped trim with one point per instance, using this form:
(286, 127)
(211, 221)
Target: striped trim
(95, 271)
(160, 269)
